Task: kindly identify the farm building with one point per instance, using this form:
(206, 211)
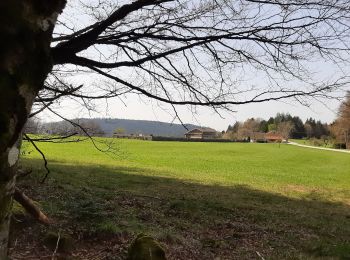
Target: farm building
(201, 133)
(273, 137)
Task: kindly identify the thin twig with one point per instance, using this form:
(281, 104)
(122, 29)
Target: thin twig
(56, 248)
(261, 257)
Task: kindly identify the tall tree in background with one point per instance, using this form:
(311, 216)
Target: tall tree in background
(299, 129)
(248, 129)
(263, 127)
(176, 52)
(285, 129)
(32, 126)
(315, 128)
(341, 127)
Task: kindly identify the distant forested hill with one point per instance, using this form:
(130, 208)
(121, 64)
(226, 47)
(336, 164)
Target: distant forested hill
(142, 126)
(130, 126)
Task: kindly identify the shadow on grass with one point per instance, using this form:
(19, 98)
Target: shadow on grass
(193, 221)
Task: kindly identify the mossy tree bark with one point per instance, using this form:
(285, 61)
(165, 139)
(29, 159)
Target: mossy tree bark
(25, 60)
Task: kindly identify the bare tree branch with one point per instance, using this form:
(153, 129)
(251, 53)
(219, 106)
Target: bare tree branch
(26, 137)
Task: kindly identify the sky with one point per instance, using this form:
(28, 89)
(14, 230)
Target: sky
(132, 106)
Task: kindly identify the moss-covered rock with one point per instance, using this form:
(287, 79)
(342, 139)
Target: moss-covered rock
(145, 248)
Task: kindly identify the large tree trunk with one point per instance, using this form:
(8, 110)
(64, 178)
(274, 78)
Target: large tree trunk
(26, 30)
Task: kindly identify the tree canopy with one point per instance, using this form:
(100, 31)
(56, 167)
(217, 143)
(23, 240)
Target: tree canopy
(213, 53)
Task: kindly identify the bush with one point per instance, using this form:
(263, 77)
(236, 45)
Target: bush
(317, 142)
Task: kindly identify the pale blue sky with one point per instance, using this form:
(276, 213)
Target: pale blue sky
(133, 107)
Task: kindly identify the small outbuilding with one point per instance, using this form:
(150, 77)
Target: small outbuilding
(273, 137)
(201, 133)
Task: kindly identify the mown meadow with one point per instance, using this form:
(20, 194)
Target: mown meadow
(200, 200)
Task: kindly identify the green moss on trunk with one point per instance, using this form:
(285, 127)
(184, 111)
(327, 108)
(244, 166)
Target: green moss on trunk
(25, 60)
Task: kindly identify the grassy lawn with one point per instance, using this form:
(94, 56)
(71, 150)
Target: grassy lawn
(313, 142)
(200, 200)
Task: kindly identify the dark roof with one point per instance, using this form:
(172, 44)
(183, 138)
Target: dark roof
(203, 130)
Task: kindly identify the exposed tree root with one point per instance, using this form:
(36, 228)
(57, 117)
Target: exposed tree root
(30, 206)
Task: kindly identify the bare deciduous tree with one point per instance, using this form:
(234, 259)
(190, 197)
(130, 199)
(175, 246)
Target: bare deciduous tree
(341, 127)
(32, 126)
(285, 129)
(249, 129)
(179, 52)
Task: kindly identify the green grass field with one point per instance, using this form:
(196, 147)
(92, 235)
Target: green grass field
(200, 200)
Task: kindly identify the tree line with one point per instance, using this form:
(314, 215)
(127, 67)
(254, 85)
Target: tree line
(337, 132)
(80, 127)
(285, 124)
